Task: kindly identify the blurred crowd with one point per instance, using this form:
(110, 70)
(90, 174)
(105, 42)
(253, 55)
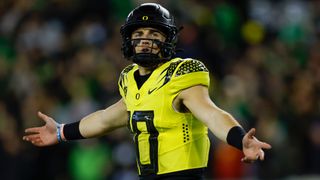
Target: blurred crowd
(63, 58)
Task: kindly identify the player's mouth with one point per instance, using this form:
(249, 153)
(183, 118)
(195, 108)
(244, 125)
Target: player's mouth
(146, 50)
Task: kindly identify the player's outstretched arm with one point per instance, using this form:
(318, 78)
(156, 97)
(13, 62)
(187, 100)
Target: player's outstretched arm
(94, 125)
(222, 124)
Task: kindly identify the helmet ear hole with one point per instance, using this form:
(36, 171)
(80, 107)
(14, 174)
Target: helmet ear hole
(166, 52)
(127, 48)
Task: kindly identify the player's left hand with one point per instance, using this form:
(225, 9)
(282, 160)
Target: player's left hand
(253, 148)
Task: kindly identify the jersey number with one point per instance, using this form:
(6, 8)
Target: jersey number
(146, 141)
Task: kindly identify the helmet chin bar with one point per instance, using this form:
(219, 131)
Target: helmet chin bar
(149, 59)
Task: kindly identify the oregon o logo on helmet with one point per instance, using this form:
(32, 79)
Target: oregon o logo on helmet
(145, 18)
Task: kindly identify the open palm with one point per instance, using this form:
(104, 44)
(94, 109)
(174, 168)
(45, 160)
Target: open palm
(253, 148)
(44, 135)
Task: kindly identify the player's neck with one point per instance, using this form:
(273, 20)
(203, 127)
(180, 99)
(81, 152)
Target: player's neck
(147, 70)
(144, 71)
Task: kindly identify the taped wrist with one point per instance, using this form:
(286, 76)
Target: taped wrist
(72, 132)
(235, 136)
(59, 132)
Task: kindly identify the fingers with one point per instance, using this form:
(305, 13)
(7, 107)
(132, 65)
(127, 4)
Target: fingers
(34, 139)
(255, 142)
(261, 155)
(252, 132)
(253, 148)
(33, 130)
(266, 146)
(31, 137)
(247, 160)
(44, 117)
(251, 159)
(37, 142)
(37, 129)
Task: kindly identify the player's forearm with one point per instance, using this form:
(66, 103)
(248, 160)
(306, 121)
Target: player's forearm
(221, 123)
(97, 124)
(88, 127)
(225, 127)
(93, 125)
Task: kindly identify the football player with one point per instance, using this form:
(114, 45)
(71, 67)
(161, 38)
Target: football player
(165, 104)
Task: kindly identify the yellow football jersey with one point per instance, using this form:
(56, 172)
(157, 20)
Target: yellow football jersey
(166, 140)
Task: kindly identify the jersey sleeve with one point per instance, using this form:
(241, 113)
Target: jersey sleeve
(123, 80)
(189, 73)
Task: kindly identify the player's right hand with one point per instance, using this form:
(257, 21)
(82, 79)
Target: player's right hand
(45, 135)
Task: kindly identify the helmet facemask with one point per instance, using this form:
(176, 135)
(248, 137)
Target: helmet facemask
(157, 52)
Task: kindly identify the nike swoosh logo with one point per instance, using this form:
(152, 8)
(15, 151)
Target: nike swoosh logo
(151, 90)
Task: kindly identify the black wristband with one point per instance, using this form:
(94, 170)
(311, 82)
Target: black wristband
(235, 136)
(71, 131)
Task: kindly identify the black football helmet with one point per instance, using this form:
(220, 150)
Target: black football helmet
(155, 16)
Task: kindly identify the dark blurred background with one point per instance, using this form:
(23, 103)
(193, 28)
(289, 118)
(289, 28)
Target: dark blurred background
(63, 58)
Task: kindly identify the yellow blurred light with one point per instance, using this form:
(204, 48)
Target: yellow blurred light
(253, 32)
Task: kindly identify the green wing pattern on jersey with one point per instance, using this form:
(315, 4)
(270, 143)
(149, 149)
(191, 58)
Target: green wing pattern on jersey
(123, 78)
